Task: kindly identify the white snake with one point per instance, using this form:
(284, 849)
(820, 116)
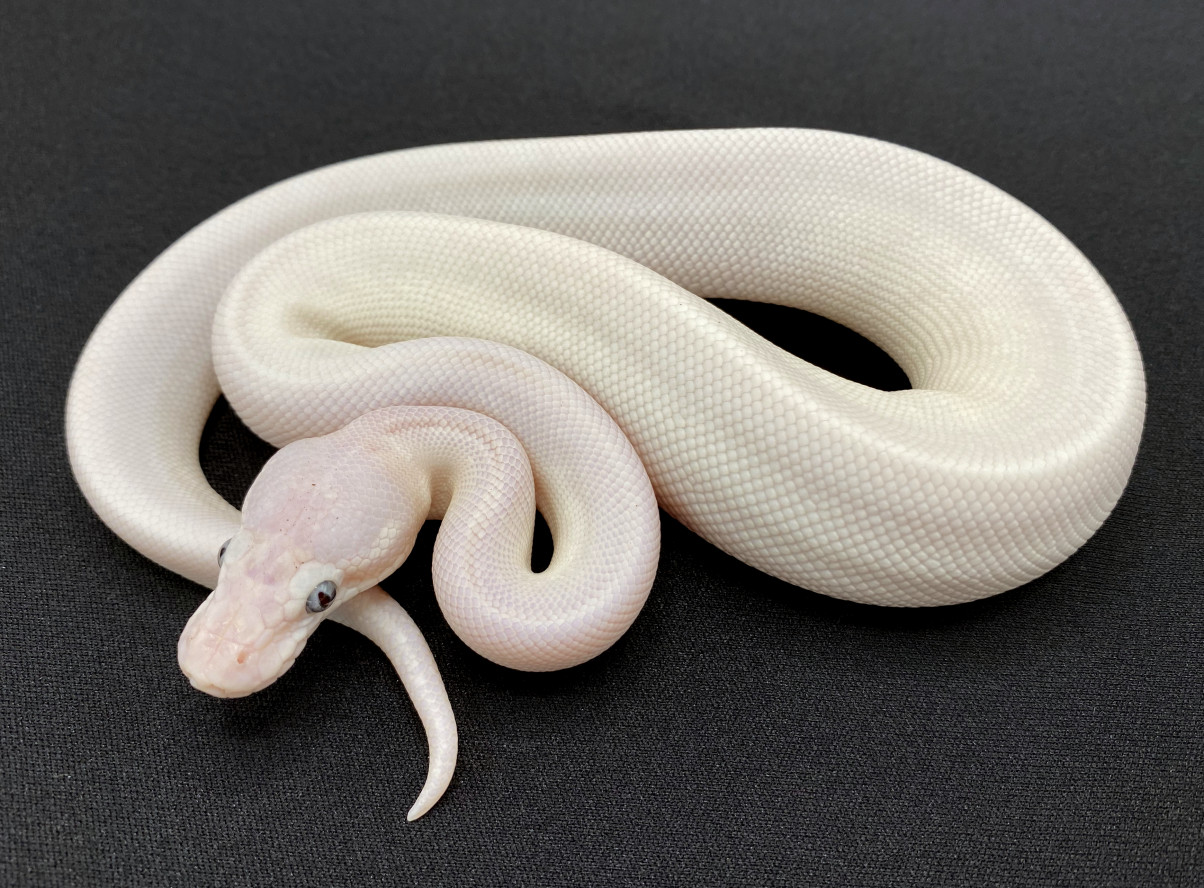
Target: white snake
(1011, 448)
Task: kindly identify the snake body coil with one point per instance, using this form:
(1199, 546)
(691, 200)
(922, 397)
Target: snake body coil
(592, 253)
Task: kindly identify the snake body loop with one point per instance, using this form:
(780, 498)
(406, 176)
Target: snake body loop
(370, 283)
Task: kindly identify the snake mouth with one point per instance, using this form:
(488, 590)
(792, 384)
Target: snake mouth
(223, 668)
(216, 690)
(226, 685)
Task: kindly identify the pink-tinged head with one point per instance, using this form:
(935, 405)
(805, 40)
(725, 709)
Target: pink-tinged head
(321, 523)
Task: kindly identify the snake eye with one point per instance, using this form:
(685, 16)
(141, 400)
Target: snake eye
(321, 597)
(221, 553)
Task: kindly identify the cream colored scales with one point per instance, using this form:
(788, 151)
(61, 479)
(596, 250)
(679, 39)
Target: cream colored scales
(591, 254)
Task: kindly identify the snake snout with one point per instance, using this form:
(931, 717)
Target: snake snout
(227, 651)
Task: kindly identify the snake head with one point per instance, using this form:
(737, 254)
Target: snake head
(321, 523)
(251, 628)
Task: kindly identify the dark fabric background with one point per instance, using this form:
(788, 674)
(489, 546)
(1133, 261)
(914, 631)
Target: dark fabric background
(743, 732)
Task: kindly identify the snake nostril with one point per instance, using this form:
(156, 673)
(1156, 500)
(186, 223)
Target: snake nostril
(241, 658)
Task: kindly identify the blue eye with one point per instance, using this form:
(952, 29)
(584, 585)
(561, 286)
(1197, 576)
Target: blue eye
(321, 597)
(221, 553)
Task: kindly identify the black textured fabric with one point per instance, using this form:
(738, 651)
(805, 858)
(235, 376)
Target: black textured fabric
(743, 732)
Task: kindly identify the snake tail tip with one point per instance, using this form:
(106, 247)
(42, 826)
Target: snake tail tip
(419, 808)
(431, 793)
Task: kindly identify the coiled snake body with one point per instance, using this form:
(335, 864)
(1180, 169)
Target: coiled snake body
(413, 288)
